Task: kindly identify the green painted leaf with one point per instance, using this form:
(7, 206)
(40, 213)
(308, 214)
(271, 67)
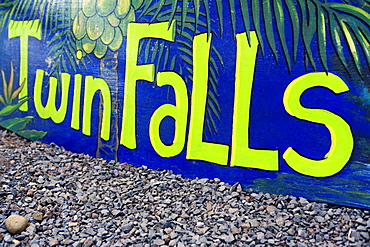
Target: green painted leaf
(212, 96)
(187, 45)
(159, 58)
(16, 124)
(173, 62)
(352, 46)
(213, 123)
(155, 51)
(352, 11)
(173, 11)
(186, 60)
(232, 15)
(208, 18)
(145, 9)
(256, 16)
(308, 30)
(184, 13)
(321, 38)
(364, 42)
(267, 18)
(280, 23)
(219, 13)
(32, 135)
(186, 51)
(337, 42)
(212, 106)
(213, 75)
(147, 51)
(245, 15)
(214, 65)
(11, 82)
(219, 57)
(71, 61)
(159, 8)
(166, 58)
(5, 87)
(197, 11)
(9, 109)
(295, 21)
(213, 84)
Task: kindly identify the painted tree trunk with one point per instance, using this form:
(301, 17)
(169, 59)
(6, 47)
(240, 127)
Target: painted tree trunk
(108, 71)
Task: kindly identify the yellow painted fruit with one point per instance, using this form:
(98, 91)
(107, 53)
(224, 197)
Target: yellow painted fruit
(117, 41)
(108, 34)
(79, 54)
(122, 9)
(79, 26)
(105, 7)
(95, 27)
(124, 23)
(88, 7)
(87, 44)
(113, 20)
(100, 49)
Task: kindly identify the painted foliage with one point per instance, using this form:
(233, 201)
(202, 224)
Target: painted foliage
(272, 94)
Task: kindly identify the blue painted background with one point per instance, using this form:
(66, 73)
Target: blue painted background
(271, 126)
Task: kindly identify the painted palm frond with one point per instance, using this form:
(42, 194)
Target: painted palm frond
(183, 8)
(284, 29)
(55, 21)
(63, 48)
(9, 95)
(45, 10)
(314, 24)
(191, 19)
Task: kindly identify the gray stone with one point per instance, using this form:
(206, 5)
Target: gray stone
(319, 219)
(92, 202)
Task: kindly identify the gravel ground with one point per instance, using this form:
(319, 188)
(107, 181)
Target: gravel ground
(76, 200)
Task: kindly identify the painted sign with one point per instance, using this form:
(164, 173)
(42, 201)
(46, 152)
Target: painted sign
(272, 94)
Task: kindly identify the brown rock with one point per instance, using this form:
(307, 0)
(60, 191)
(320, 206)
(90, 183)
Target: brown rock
(72, 223)
(15, 224)
(94, 216)
(48, 214)
(30, 192)
(53, 242)
(38, 215)
(88, 242)
(67, 241)
(245, 225)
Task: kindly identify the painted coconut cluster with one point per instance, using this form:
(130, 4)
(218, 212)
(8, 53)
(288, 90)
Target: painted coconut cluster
(101, 24)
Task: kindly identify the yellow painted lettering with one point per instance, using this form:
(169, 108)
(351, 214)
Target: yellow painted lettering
(135, 72)
(50, 110)
(197, 148)
(342, 143)
(24, 29)
(178, 112)
(93, 85)
(242, 155)
(76, 107)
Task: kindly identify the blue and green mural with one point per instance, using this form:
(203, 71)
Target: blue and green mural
(273, 94)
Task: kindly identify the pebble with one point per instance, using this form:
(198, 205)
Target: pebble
(16, 224)
(75, 200)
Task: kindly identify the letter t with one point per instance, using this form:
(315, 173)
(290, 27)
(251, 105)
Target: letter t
(24, 29)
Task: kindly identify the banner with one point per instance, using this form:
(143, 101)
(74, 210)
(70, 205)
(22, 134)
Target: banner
(271, 94)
